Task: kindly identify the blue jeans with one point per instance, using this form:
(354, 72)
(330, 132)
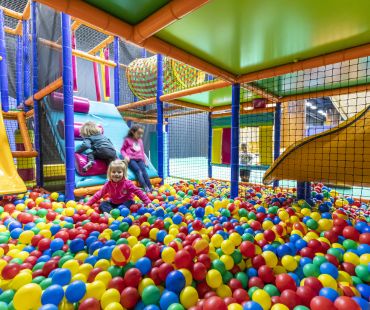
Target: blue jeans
(138, 167)
(107, 206)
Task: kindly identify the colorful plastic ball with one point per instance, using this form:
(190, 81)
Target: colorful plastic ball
(321, 303)
(364, 290)
(364, 305)
(10, 271)
(330, 269)
(183, 259)
(329, 293)
(213, 303)
(168, 298)
(168, 255)
(28, 297)
(61, 276)
(151, 295)
(75, 291)
(132, 277)
(263, 298)
(252, 305)
(110, 296)
(284, 282)
(129, 297)
(289, 263)
(176, 306)
(144, 264)
(175, 281)
(121, 254)
(214, 278)
(345, 303)
(189, 297)
(89, 304)
(328, 281)
(52, 295)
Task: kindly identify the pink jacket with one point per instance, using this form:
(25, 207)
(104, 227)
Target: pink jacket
(133, 149)
(119, 192)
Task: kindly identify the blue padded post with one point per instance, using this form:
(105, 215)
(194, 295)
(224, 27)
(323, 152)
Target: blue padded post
(68, 105)
(307, 195)
(210, 145)
(3, 67)
(301, 189)
(277, 135)
(235, 107)
(160, 144)
(26, 62)
(18, 71)
(35, 89)
(116, 71)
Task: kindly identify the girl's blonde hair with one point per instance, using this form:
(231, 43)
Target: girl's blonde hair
(89, 129)
(117, 164)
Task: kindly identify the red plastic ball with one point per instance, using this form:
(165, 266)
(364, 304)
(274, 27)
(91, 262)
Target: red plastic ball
(117, 283)
(349, 232)
(306, 294)
(321, 303)
(240, 295)
(266, 274)
(199, 271)
(153, 252)
(269, 235)
(256, 281)
(164, 270)
(183, 259)
(247, 249)
(214, 303)
(346, 303)
(10, 271)
(129, 297)
(205, 260)
(313, 283)
(285, 282)
(364, 238)
(290, 298)
(89, 304)
(132, 277)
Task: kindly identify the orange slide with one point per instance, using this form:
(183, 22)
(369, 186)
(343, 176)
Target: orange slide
(338, 156)
(10, 181)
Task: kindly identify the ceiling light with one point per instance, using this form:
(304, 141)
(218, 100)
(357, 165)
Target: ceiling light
(312, 107)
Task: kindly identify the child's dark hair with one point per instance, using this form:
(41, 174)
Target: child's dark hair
(134, 128)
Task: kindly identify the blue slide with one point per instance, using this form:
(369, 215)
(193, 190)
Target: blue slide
(115, 128)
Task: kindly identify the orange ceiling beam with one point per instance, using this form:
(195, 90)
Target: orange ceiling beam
(165, 16)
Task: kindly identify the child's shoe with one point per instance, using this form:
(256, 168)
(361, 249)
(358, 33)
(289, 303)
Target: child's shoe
(87, 166)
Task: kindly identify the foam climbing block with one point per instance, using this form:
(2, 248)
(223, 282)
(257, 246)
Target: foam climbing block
(99, 167)
(80, 105)
(226, 145)
(77, 127)
(216, 145)
(265, 144)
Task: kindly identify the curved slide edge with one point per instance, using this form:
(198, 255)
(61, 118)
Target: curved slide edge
(338, 156)
(10, 181)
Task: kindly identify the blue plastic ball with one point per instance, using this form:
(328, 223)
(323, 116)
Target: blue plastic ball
(168, 298)
(175, 281)
(52, 295)
(56, 244)
(144, 264)
(61, 276)
(75, 291)
(329, 293)
(330, 269)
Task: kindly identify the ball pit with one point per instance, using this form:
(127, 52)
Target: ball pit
(196, 249)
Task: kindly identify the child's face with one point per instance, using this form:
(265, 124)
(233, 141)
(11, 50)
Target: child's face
(138, 134)
(116, 174)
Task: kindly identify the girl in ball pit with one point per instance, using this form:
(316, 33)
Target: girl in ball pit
(120, 190)
(133, 152)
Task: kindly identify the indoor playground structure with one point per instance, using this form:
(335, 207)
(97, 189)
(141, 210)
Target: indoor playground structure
(257, 136)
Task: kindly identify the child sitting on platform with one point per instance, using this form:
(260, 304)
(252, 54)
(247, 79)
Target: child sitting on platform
(133, 152)
(121, 191)
(95, 145)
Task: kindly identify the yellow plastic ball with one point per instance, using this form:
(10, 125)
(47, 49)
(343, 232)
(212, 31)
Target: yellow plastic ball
(187, 275)
(189, 297)
(263, 298)
(350, 257)
(104, 277)
(216, 240)
(283, 215)
(270, 258)
(289, 263)
(72, 265)
(144, 283)
(214, 278)
(168, 255)
(103, 264)
(109, 296)
(28, 297)
(279, 307)
(20, 280)
(134, 230)
(227, 247)
(69, 211)
(95, 290)
(228, 261)
(224, 291)
(137, 251)
(114, 306)
(328, 281)
(234, 306)
(235, 238)
(365, 259)
(26, 236)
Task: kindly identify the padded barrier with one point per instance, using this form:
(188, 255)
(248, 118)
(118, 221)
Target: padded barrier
(99, 167)
(80, 105)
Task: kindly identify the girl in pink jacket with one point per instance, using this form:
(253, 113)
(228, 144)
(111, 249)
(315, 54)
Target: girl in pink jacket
(120, 190)
(133, 152)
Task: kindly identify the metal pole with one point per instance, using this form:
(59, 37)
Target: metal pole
(116, 71)
(18, 71)
(26, 62)
(3, 67)
(210, 133)
(35, 89)
(277, 133)
(235, 106)
(160, 143)
(68, 105)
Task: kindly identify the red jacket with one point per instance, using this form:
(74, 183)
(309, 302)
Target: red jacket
(119, 192)
(133, 149)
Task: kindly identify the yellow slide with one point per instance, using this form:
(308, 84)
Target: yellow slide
(338, 156)
(10, 181)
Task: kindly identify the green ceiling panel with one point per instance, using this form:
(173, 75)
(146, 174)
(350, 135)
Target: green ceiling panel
(243, 36)
(217, 97)
(130, 11)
